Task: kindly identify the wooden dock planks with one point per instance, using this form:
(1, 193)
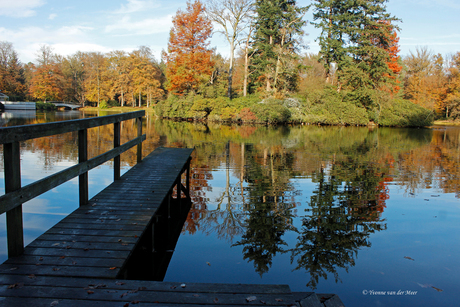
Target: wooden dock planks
(96, 240)
(18, 290)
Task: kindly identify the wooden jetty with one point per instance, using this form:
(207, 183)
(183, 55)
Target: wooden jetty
(87, 258)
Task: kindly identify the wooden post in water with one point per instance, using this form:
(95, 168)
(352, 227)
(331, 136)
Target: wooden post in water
(116, 143)
(83, 157)
(14, 230)
(139, 133)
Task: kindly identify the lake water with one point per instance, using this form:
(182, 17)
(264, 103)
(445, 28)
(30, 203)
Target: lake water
(369, 214)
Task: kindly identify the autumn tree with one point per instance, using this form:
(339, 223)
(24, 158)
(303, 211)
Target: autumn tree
(425, 81)
(233, 18)
(119, 67)
(452, 101)
(389, 43)
(96, 85)
(47, 80)
(188, 60)
(74, 71)
(277, 39)
(145, 75)
(12, 79)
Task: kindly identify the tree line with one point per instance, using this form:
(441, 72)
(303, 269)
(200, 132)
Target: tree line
(356, 78)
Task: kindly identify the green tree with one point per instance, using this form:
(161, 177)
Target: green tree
(278, 29)
(355, 40)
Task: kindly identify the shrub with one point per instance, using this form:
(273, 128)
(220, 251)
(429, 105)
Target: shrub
(271, 111)
(103, 105)
(40, 105)
(404, 113)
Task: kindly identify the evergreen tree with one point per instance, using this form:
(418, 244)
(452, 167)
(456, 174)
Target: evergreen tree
(355, 38)
(277, 39)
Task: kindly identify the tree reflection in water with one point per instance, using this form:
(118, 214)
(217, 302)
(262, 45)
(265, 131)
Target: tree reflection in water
(344, 210)
(269, 209)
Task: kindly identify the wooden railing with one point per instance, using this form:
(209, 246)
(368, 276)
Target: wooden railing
(15, 195)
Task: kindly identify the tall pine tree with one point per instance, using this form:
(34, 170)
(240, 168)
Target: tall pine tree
(354, 38)
(277, 40)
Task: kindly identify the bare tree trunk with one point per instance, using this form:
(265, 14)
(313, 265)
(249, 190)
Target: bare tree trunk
(230, 71)
(140, 101)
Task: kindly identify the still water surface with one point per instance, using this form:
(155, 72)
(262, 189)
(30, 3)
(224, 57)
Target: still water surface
(371, 215)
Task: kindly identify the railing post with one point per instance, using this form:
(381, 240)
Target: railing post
(83, 157)
(14, 228)
(139, 133)
(116, 143)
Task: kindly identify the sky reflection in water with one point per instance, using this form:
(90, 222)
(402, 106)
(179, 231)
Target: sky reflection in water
(371, 211)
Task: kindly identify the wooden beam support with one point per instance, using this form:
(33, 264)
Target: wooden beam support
(116, 143)
(14, 229)
(139, 133)
(83, 157)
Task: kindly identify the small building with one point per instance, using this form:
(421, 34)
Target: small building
(4, 97)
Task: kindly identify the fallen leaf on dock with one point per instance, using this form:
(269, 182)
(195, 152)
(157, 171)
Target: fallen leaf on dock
(62, 257)
(409, 258)
(251, 298)
(40, 259)
(141, 288)
(119, 283)
(54, 303)
(16, 285)
(113, 268)
(12, 269)
(196, 295)
(216, 300)
(135, 302)
(56, 244)
(437, 289)
(56, 269)
(208, 263)
(90, 292)
(278, 300)
(32, 276)
(126, 305)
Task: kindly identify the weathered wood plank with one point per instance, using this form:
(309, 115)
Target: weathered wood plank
(64, 261)
(64, 271)
(89, 253)
(84, 238)
(120, 246)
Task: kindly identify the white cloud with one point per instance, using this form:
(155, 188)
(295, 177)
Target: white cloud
(19, 8)
(52, 16)
(136, 6)
(143, 27)
(64, 41)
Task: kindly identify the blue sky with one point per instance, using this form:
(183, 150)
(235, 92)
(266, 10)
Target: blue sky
(105, 25)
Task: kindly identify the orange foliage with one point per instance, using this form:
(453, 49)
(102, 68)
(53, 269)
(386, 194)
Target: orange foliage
(47, 83)
(392, 48)
(188, 61)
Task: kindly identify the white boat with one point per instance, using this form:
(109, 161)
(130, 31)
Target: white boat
(18, 105)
